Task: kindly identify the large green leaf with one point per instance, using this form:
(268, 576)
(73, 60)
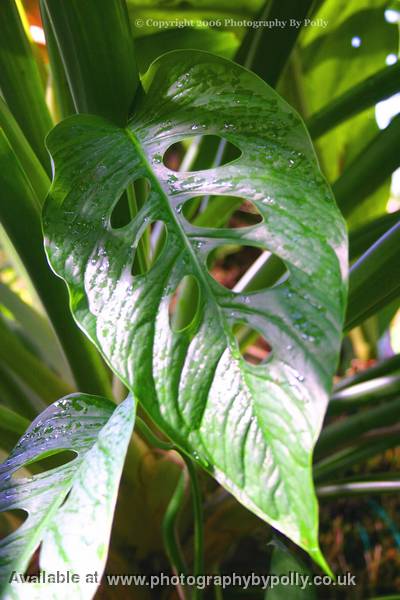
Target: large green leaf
(74, 530)
(253, 427)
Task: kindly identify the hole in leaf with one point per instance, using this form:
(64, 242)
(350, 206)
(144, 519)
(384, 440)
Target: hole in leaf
(11, 520)
(33, 567)
(129, 203)
(45, 462)
(198, 153)
(149, 248)
(252, 345)
(221, 211)
(246, 268)
(184, 306)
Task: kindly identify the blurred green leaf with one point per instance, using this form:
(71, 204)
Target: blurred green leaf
(17, 396)
(363, 393)
(19, 215)
(361, 238)
(349, 429)
(37, 329)
(12, 421)
(330, 61)
(28, 367)
(61, 98)
(95, 43)
(367, 93)
(342, 460)
(374, 278)
(372, 166)
(20, 81)
(384, 367)
(255, 51)
(148, 48)
(36, 174)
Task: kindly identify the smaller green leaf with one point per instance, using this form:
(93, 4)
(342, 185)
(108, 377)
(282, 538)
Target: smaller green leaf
(285, 563)
(74, 534)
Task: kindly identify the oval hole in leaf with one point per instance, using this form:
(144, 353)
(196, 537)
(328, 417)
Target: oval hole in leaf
(149, 247)
(253, 346)
(183, 314)
(11, 520)
(121, 212)
(193, 151)
(45, 462)
(221, 211)
(237, 267)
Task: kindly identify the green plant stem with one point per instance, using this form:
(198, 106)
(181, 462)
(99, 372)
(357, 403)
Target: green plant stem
(169, 528)
(136, 197)
(145, 431)
(171, 514)
(198, 565)
(349, 429)
(368, 92)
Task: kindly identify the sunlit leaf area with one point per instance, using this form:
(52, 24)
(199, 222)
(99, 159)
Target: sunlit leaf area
(199, 300)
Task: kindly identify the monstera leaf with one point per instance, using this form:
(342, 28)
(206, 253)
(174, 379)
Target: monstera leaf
(252, 426)
(73, 529)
